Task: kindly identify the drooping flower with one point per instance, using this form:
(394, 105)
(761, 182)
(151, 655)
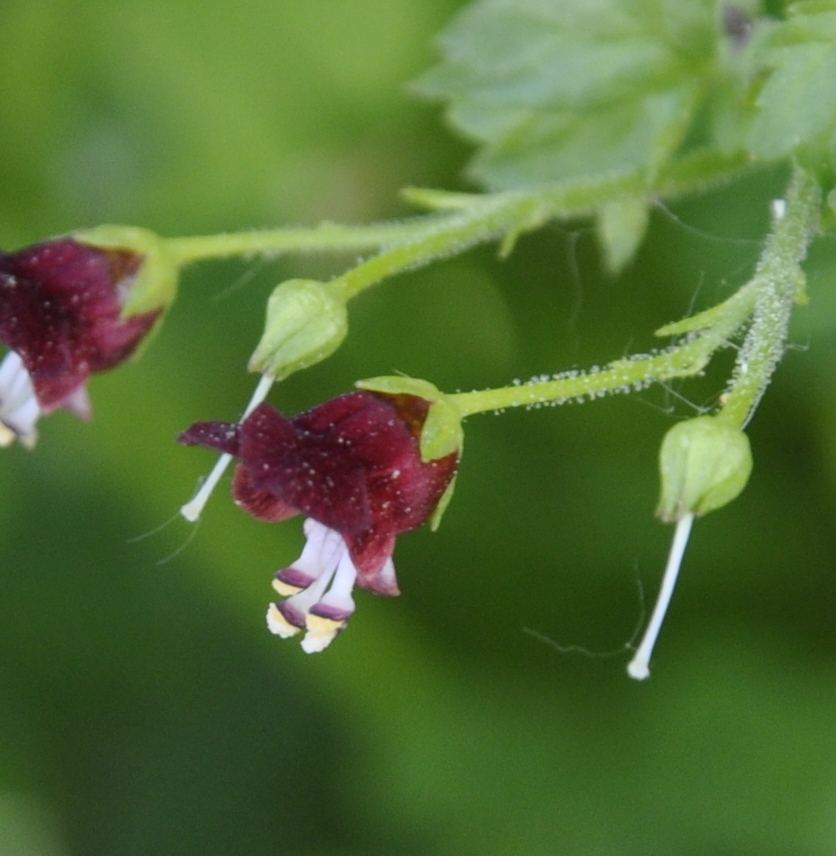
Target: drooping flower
(61, 316)
(353, 467)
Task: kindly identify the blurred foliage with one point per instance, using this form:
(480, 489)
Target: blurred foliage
(578, 88)
(145, 708)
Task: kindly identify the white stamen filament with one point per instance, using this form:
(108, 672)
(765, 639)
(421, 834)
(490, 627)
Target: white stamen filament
(322, 555)
(321, 545)
(312, 563)
(194, 507)
(322, 631)
(343, 585)
(311, 595)
(639, 666)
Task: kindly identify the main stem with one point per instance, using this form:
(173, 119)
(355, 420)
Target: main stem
(778, 281)
(767, 298)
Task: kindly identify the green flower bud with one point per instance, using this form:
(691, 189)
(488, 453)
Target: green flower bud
(155, 285)
(305, 324)
(704, 463)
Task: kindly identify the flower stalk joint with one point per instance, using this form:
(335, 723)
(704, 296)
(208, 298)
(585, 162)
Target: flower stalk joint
(441, 434)
(154, 286)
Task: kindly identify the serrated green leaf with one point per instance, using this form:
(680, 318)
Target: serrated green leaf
(797, 104)
(809, 7)
(618, 138)
(553, 89)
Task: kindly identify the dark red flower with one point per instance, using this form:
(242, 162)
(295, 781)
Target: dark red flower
(60, 316)
(353, 467)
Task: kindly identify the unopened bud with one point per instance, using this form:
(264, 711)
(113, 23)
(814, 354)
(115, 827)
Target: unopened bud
(305, 324)
(705, 463)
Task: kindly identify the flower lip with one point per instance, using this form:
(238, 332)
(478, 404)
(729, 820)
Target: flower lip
(60, 310)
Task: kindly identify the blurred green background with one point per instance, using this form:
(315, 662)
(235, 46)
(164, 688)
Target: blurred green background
(145, 709)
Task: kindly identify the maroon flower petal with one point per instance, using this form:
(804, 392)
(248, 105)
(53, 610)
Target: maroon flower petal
(311, 472)
(370, 551)
(259, 502)
(220, 436)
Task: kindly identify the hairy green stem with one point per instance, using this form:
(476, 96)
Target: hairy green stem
(481, 218)
(489, 218)
(326, 236)
(778, 282)
(459, 221)
(767, 299)
(681, 360)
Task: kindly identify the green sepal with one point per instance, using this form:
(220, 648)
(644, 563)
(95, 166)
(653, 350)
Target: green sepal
(442, 432)
(704, 464)
(155, 286)
(305, 323)
(435, 520)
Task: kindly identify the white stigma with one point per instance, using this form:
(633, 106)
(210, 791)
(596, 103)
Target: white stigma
(194, 507)
(639, 666)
